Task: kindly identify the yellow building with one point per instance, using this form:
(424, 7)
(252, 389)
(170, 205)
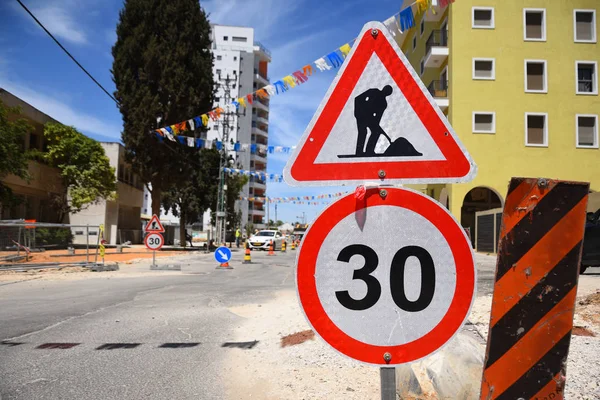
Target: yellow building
(518, 81)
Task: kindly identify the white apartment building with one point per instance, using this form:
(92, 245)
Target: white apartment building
(238, 56)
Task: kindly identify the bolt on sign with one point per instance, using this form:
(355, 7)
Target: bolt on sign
(535, 289)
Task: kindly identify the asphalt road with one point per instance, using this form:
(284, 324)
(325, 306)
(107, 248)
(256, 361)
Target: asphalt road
(150, 337)
(137, 334)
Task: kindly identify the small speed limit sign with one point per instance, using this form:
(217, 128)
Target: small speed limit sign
(154, 241)
(388, 279)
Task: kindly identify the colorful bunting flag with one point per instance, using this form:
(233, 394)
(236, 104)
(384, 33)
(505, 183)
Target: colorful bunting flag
(403, 21)
(407, 19)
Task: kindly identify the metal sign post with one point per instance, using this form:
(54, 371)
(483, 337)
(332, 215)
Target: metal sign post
(154, 241)
(388, 383)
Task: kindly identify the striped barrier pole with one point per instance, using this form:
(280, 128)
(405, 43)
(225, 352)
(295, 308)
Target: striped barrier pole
(535, 290)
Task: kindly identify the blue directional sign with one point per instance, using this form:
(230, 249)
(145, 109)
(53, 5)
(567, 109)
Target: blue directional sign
(223, 255)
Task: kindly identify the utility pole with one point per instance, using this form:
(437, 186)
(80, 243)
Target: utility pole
(268, 209)
(303, 217)
(226, 122)
(276, 214)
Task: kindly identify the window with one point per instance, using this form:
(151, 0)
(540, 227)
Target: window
(484, 68)
(33, 141)
(216, 99)
(422, 27)
(536, 129)
(422, 66)
(484, 122)
(414, 43)
(587, 131)
(225, 38)
(483, 18)
(536, 77)
(587, 77)
(234, 58)
(239, 39)
(218, 72)
(585, 26)
(219, 58)
(534, 21)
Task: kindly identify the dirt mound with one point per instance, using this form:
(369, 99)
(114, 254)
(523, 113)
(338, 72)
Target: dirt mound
(297, 338)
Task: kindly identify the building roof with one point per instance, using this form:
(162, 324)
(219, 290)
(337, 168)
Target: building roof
(27, 109)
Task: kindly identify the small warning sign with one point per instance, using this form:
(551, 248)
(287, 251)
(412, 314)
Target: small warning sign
(154, 226)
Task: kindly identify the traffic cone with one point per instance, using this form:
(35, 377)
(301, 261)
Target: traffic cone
(293, 245)
(283, 245)
(225, 265)
(271, 252)
(247, 256)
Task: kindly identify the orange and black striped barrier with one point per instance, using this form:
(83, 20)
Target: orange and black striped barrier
(247, 254)
(535, 289)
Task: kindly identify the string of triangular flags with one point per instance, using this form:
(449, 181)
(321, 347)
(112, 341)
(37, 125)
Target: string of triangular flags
(293, 199)
(258, 174)
(208, 144)
(398, 22)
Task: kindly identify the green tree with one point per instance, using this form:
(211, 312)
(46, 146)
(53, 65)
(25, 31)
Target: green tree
(189, 201)
(162, 69)
(13, 160)
(85, 170)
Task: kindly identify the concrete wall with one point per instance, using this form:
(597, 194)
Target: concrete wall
(123, 214)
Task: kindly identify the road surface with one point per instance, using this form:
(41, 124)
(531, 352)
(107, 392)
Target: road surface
(137, 334)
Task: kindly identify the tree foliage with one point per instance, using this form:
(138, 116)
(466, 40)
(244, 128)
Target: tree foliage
(13, 160)
(163, 73)
(190, 200)
(85, 169)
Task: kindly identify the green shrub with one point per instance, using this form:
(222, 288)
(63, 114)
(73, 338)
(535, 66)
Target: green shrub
(53, 236)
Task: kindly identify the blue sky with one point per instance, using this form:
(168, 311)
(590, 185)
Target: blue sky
(296, 31)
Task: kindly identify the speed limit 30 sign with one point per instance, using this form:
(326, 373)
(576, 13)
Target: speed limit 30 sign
(386, 280)
(154, 241)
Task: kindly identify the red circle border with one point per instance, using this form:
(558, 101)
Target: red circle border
(162, 242)
(408, 352)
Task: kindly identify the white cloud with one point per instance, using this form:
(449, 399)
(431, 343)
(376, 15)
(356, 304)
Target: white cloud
(59, 17)
(265, 16)
(63, 112)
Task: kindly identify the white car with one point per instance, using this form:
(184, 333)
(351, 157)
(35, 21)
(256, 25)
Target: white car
(262, 240)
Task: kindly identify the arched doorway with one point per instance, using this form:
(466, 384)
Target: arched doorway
(478, 199)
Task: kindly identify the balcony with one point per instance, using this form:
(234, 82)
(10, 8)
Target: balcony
(261, 120)
(263, 81)
(262, 51)
(261, 104)
(252, 211)
(259, 157)
(259, 165)
(258, 185)
(436, 49)
(439, 91)
(259, 130)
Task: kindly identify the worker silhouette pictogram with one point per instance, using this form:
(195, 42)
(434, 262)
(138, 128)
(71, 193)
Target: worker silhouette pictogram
(368, 111)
